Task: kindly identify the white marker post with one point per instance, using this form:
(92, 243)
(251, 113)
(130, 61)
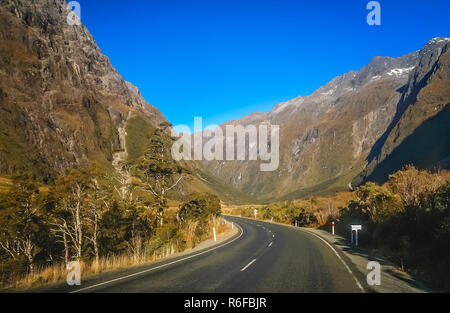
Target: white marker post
(214, 232)
(256, 213)
(356, 228)
(332, 228)
(232, 225)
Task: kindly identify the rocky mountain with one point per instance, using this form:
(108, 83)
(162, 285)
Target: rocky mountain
(419, 133)
(341, 134)
(62, 103)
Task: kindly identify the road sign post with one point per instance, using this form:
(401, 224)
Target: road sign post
(356, 229)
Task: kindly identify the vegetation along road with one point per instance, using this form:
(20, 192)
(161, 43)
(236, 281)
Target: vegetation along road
(261, 257)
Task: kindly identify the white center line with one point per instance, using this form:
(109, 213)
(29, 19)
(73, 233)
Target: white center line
(247, 266)
(270, 244)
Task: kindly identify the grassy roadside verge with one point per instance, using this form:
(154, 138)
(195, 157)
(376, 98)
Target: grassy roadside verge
(58, 272)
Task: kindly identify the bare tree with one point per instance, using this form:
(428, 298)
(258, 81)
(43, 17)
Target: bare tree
(96, 208)
(21, 245)
(70, 226)
(94, 220)
(125, 188)
(135, 247)
(11, 247)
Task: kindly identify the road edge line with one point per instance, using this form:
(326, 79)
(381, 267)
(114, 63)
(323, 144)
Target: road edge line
(324, 240)
(341, 259)
(160, 266)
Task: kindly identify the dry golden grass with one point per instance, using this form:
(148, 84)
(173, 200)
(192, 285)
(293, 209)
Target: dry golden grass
(228, 209)
(44, 189)
(445, 174)
(324, 208)
(58, 272)
(5, 184)
(223, 228)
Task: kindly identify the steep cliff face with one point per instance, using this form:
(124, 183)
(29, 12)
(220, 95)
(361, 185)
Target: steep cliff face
(328, 137)
(62, 103)
(419, 133)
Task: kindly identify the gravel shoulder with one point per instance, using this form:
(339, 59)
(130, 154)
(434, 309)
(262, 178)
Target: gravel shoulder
(393, 280)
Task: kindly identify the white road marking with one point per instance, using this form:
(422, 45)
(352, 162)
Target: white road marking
(343, 262)
(339, 257)
(270, 244)
(160, 266)
(248, 265)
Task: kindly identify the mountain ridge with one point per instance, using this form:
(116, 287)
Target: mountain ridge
(64, 106)
(353, 110)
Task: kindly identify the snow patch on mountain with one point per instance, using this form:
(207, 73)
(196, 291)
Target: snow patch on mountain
(400, 71)
(439, 39)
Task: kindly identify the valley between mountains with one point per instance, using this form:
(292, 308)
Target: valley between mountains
(355, 128)
(86, 171)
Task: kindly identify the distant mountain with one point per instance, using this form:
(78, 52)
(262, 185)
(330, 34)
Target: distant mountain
(342, 133)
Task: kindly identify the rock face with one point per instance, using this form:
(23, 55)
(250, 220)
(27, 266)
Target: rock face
(420, 130)
(359, 118)
(61, 101)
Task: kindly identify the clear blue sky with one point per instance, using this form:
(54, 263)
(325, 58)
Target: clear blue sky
(222, 59)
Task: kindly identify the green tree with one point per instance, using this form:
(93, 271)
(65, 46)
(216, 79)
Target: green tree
(413, 185)
(114, 230)
(197, 214)
(200, 206)
(22, 220)
(378, 202)
(159, 172)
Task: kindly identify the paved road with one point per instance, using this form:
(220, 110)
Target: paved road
(262, 257)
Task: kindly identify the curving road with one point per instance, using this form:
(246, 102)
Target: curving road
(262, 257)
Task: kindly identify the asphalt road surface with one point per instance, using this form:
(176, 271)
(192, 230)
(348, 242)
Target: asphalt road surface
(262, 257)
